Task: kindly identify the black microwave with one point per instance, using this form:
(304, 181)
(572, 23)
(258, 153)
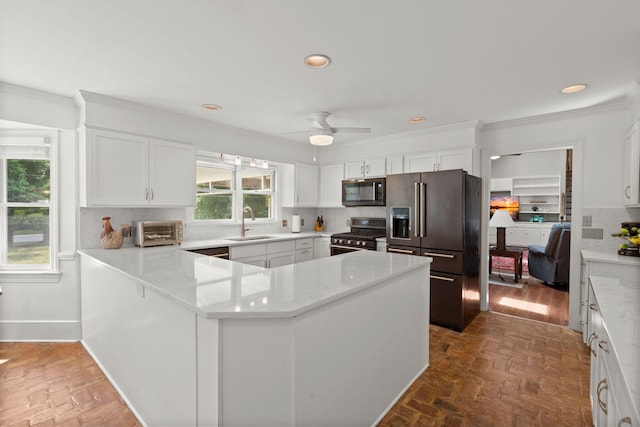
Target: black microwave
(364, 192)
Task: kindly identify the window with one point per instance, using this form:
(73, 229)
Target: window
(219, 198)
(26, 207)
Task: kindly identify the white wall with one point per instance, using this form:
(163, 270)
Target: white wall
(44, 310)
(530, 164)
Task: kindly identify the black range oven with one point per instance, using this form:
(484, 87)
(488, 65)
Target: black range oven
(362, 237)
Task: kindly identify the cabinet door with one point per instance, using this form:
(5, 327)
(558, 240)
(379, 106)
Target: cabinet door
(515, 236)
(354, 170)
(375, 168)
(531, 237)
(280, 259)
(304, 255)
(331, 185)
(456, 159)
(321, 247)
(395, 165)
(116, 169)
(258, 261)
(424, 162)
(631, 167)
(306, 185)
(172, 173)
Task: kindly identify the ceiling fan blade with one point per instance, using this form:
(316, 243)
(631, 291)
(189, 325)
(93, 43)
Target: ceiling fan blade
(321, 125)
(351, 130)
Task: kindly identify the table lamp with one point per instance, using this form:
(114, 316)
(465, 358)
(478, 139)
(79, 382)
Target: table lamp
(501, 219)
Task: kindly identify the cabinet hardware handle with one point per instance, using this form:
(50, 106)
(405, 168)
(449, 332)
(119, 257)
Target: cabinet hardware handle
(625, 420)
(361, 170)
(446, 279)
(591, 338)
(400, 251)
(602, 345)
(223, 255)
(582, 322)
(602, 385)
(152, 194)
(367, 169)
(627, 192)
(593, 307)
(439, 255)
(146, 193)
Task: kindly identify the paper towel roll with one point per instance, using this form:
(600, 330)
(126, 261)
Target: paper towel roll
(295, 224)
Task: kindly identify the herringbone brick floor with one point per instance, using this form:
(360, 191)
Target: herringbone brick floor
(501, 371)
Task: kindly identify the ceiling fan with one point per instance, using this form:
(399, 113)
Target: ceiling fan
(321, 132)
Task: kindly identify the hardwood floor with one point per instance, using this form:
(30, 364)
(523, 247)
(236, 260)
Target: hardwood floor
(501, 371)
(535, 301)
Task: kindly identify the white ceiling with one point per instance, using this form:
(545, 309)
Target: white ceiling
(451, 61)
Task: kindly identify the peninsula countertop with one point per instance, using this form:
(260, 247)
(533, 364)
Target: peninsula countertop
(215, 288)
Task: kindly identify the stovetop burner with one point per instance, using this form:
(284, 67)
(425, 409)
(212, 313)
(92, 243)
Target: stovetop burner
(363, 234)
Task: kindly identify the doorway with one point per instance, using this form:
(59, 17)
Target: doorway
(538, 187)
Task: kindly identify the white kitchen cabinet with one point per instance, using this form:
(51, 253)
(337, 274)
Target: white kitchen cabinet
(395, 165)
(500, 184)
(304, 249)
(269, 255)
(331, 177)
(440, 160)
(632, 167)
(321, 247)
(300, 185)
(135, 171)
(365, 168)
(524, 234)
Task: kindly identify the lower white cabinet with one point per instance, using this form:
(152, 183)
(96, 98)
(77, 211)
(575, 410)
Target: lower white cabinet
(524, 234)
(271, 254)
(304, 249)
(321, 247)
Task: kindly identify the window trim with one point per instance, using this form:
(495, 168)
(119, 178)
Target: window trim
(212, 160)
(22, 272)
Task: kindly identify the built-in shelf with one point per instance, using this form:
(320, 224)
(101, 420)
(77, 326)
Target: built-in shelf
(539, 195)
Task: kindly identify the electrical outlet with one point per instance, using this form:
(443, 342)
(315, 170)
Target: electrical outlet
(586, 220)
(285, 222)
(301, 221)
(592, 233)
(140, 290)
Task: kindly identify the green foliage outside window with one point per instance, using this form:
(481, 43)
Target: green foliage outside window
(28, 180)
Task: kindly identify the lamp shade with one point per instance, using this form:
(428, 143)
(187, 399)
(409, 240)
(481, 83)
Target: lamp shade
(501, 218)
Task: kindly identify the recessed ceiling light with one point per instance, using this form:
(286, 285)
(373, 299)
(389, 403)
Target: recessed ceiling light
(211, 107)
(317, 61)
(417, 119)
(574, 88)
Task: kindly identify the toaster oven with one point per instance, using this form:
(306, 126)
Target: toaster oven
(157, 233)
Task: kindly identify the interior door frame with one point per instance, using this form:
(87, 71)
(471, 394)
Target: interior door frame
(577, 145)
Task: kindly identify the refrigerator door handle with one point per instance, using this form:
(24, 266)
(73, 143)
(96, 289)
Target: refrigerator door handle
(416, 204)
(423, 209)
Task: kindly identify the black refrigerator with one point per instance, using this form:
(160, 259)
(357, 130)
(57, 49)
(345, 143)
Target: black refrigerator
(437, 214)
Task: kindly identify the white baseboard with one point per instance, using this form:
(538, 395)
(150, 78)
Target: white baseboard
(40, 330)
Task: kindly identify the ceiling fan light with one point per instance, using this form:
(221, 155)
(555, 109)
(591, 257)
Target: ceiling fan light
(321, 139)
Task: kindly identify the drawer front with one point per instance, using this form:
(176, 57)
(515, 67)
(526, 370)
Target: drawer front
(283, 246)
(446, 261)
(244, 251)
(304, 243)
(446, 299)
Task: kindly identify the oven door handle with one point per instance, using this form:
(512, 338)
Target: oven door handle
(400, 251)
(352, 248)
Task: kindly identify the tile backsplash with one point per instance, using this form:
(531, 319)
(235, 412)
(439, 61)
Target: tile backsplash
(608, 220)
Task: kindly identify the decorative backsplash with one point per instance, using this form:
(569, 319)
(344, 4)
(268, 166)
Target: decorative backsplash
(608, 220)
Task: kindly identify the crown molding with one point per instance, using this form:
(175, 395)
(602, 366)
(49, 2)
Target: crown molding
(619, 103)
(91, 97)
(22, 91)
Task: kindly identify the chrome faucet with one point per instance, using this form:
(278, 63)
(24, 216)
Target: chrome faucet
(253, 218)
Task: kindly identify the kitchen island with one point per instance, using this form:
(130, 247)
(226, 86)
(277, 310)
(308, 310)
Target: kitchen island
(194, 340)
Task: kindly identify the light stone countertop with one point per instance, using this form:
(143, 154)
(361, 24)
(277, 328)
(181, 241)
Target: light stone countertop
(619, 304)
(273, 237)
(217, 288)
(610, 257)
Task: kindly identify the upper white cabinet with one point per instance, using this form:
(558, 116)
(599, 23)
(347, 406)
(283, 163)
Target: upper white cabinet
(331, 176)
(500, 184)
(440, 160)
(631, 167)
(395, 165)
(365, 169)
(135, 171)
(300, 185)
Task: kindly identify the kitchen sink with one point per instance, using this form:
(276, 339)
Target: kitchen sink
(247, 238)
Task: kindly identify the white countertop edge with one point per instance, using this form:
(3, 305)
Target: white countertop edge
(274, 237)
(599, 283)
(614, 258)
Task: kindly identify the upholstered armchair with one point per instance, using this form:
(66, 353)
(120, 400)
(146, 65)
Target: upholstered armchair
(550, 263)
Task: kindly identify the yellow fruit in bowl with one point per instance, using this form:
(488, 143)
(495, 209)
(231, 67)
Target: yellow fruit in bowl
(635, 240)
